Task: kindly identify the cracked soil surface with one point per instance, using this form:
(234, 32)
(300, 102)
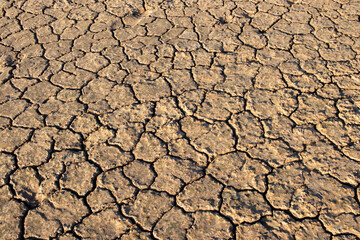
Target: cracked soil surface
(179, 119)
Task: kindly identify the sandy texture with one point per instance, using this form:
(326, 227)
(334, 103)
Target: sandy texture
(176, 119)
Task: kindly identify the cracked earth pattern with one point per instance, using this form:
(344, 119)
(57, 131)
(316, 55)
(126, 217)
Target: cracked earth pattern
(180, 119)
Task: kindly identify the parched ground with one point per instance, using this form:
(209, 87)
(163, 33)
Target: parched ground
(180, 119)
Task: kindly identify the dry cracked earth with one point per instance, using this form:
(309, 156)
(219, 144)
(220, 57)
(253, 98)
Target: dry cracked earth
(180, 119)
